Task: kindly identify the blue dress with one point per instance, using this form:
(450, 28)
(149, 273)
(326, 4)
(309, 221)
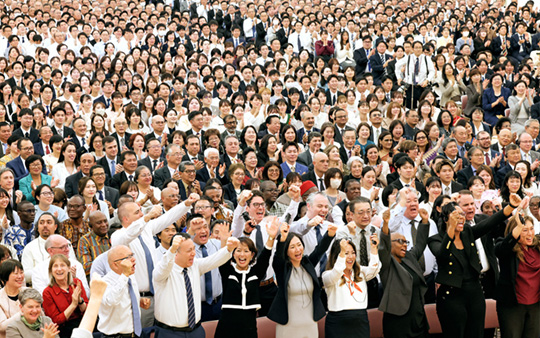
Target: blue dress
(490, 113)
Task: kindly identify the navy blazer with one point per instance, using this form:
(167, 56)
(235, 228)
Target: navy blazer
(377, 67)
(300, 133)
(229, 193)
(490, 113)
(361, 59)
(515, 46)
(38, 149)
(34, 134)
(282, 268)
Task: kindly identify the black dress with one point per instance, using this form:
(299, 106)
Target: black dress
(239, 310)
(414, 323)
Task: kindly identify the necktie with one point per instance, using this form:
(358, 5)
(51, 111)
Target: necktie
(83, 142)
(235, 43)
(368, 62)
(259, 240)
(100, 193)
(113, 168)
(299, 43)
(27, 135)
(48, 110)
(47, 150)
(131, 177)
(416, 70)
(108, 103)
(447, 191)
(383, 59)
(122, 143)
(364, 261)
(488, 161)
(293, 169)
(422, 260)
(324, 258)
(137, 327)
(207, 280)
(149, 263)
(190, 303)
(254, 31)
(61, 132)
(350, 153)
(154, 165)
(321, 184)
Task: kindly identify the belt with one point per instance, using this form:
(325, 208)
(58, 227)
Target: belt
(146, 294)
(178, 329)
(120, 335)
(215, 301)
(267, 282)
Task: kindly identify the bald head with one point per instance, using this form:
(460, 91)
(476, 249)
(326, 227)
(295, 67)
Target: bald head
(320, 163)
(54, 240)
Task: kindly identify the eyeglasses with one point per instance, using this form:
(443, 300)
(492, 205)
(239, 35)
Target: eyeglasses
(27, 148)
(98, 174)
(127, 257)
(401, 241)
(47, 193)
(202, 207)
(63, 247)
(257, 205)
(190, 172)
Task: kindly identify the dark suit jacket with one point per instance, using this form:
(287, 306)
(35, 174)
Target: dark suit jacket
(203, 176)
(515, 46)
(377, 68)
(329, 96)
(147, 162)
(395, 277)
(160, 176)
(283, 268)
(225, 159)
(226, 133)
(18, 167)
(67, 131)
(72, 184)
(501, 173)
(103, 100)
(300, 133)
(343, 155)
(241, 41)
(361, 59)
(118, 179)
(112, 195)
(535, 111)
(230, 194)
(38, 149)
(34, 134)
(419, 187)
(282, 36)
(464, 175)
(103, 161)
(409, 132)
(449, 261)
(126, 140)
(186, 157)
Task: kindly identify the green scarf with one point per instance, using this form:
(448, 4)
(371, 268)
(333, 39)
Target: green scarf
(36, 326)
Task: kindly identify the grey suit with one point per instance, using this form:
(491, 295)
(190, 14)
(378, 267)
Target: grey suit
(305, 158)
(112, 195)
(396, 280)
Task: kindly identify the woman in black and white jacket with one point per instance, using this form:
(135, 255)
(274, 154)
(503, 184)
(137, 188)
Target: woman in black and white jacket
(241, 278)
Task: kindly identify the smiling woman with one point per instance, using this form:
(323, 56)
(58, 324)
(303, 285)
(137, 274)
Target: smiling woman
(30, 323)
(12, 277)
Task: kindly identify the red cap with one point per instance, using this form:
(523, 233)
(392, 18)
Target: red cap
(306, 186)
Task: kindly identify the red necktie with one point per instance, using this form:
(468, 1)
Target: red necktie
(47, 150)
(488, 161)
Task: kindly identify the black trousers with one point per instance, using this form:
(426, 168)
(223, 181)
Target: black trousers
(412, 96)
(267, 294)
(461, 311)
(519, 321)
(210, 311)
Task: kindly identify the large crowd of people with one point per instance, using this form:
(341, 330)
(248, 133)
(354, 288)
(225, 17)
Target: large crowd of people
(294, 159)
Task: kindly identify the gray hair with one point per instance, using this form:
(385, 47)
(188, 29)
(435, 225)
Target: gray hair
(138, 171)
(183, 165)
(447, 141)
(527, 124)
(210, 150)
(28, 294)
(6, 169)
(311, 198)
(169, 148)
(353, 159)
(49, 241)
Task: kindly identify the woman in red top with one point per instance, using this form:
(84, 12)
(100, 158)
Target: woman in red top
(64, 300)
(518, 288)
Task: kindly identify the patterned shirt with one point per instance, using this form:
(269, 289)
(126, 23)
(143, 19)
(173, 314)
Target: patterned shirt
(17, 237)
(278, 209)
(90, 246)
(73, 233)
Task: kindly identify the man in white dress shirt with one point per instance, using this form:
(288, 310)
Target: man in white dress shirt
(313, 226)
(138, 233)
(178, 286)
(35, 252)
(54, 245)
(120, 310)
(405, 220)
(359, 230)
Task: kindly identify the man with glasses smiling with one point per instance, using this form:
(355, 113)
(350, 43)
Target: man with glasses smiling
(103, 193)
(120, 135)
(57, 245)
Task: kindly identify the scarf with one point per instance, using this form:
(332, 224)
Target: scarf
(35, 327)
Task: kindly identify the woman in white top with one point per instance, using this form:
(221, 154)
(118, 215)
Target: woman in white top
(369, 190)
(434, 190)
(315, 106)
(148, 195)
(135, 123)
(344, 51)
(66, 164)
(88, 190)
(372, 159)
(55, 145)
(256, 116)
(332, 181)
(346, 288)
(520, 106)
(529, 186)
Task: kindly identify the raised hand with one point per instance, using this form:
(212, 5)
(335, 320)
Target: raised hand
(192, 199)
(284, 230)
(294, 193)
(332, 228)
(272, 227)
(515, 200)
(315, 221)
(244, 197)
(425, 216)
(155, 212)
(50, 330)
(232, 243)
(352, 228)
(127, 267)
(176, 243)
